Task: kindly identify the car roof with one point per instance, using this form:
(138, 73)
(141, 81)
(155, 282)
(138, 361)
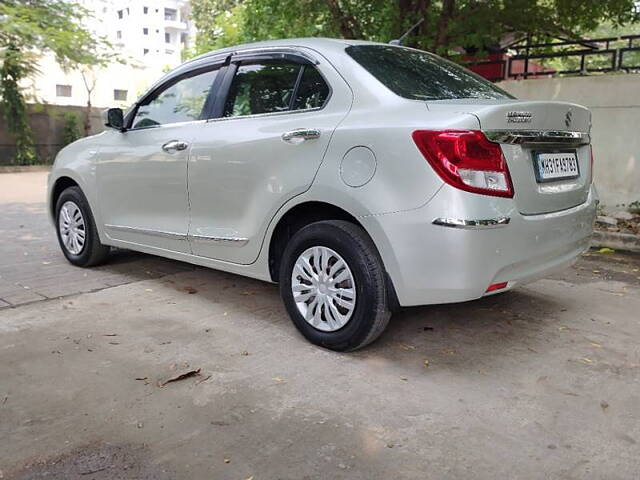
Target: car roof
(320, 44)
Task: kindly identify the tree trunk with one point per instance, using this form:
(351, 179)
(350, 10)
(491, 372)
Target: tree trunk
(347, 23)
(87, 114)
(87, 118)
(442, 32)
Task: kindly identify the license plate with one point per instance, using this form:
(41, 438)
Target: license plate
(556, 166)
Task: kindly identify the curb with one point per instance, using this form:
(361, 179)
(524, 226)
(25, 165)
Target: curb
(24, 168)
(617, 241)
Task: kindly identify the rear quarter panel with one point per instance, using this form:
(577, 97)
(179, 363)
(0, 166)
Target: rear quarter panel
(403, 179)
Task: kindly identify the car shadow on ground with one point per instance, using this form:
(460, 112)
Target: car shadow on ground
(451, 335)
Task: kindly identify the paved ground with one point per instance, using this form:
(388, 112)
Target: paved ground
(542, 382)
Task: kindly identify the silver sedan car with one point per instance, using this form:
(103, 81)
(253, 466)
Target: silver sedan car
(361, 177)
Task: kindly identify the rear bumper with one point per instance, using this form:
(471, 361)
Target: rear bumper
(430, 263)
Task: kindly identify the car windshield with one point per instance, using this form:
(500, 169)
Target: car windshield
(422, 76)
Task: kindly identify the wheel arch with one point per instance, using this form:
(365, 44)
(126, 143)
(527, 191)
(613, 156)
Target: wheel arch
(60, 185)
(303, 214)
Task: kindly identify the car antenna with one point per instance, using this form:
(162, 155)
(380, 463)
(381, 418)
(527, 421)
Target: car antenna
(405, 34)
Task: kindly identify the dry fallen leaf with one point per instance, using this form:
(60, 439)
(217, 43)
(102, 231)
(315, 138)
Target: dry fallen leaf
(426, 363)
(182, 376)
(404, 379)
(227, 460)
(586, 360)
(404, 346)
(278, 380)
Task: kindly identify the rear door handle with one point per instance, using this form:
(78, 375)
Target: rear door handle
(299, 135)
(174, 146)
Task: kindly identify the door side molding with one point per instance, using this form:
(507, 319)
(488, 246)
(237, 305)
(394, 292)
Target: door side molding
(147, 231)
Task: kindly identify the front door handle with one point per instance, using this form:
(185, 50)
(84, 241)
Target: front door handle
(299, 135)
(174, 146)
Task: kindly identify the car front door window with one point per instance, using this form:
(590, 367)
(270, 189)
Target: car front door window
(182, 101)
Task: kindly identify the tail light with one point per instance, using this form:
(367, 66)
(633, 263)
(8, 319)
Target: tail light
(465, 159)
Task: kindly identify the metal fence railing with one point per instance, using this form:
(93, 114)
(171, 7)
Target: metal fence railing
(525, 59)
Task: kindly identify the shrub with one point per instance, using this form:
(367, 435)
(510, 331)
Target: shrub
(70, 129)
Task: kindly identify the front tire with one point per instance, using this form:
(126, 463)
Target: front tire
(76, 229)
(333, 285)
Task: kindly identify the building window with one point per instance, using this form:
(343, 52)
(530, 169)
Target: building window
(170, 14)
(120, 14)
(119, 35)
(145, 51)
(183, 38)
(120, 95)
(145, 10)
(145, 31)
(167, 38)
(63, 90)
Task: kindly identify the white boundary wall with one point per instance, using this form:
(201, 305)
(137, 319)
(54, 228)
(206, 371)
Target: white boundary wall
(614, 101)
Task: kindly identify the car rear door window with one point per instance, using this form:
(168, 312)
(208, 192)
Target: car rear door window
(262, 87)
(312, 91)
(181, 101)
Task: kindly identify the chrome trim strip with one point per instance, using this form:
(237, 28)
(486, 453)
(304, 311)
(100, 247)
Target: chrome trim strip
(148, 231)
(235, 241)
(472, 224)
(557, 137)
(268, 114)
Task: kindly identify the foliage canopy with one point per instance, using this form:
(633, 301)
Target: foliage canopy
(448, 24)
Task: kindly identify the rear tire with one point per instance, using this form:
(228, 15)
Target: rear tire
(333, 285)
(76, 230)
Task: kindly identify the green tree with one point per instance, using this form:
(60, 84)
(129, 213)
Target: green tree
(30, 26)
(14, 67)
(447, 24)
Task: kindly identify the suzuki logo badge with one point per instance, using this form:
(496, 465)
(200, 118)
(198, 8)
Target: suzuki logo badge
(567, 118)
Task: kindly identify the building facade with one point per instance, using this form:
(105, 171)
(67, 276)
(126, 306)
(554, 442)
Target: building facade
(148, 36)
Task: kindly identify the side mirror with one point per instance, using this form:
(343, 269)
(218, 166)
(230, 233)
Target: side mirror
(114, 118)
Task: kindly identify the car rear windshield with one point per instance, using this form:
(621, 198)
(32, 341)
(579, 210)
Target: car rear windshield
(422, 76)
